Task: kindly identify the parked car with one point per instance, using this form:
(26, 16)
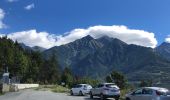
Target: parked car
(105, 90)
(149, 93)
(80, 89)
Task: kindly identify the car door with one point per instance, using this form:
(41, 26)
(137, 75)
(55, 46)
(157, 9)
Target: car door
(78, 89)
(136, 95)
(100, 89)
(147, 94)
(74, 89)
(96, 90)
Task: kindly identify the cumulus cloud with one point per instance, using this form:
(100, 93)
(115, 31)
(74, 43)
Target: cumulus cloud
(167, 39)
(47, 40)
(29, 7)
(12, 1)
(130, 36)
(34, 38)
(2, 15)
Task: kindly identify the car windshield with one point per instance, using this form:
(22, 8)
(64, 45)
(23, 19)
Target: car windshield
(110, 85)
(88, 86)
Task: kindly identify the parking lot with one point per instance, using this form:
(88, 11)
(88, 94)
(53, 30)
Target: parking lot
(30, 94)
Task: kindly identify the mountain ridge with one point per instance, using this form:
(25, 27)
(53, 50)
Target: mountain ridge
(97, 57)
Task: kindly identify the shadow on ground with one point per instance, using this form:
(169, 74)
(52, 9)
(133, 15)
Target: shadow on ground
(87, 97)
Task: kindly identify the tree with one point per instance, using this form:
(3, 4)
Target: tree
(117, 78)
(145, 83)
(50, 71)
(67, 77)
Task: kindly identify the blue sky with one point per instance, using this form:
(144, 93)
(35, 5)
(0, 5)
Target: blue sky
(61, 16)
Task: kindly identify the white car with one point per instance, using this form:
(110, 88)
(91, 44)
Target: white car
(106, 90)
(149, 93)
(80, 89)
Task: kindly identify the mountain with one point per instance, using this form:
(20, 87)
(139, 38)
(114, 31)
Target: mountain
(164, 50)
(25, 47)
(70, 54)
(96, 58)
(35, 48)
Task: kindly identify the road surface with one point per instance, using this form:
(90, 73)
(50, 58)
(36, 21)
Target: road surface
(31, 94)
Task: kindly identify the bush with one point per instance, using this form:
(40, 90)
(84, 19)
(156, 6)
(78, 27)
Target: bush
(118, 78)
(60, 89)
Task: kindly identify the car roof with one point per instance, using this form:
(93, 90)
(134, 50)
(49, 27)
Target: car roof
(82, 84)
(108, 83)
(156, 88)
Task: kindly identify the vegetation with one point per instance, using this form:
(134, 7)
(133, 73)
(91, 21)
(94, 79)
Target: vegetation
(31, 67)
(60, 89)
(117, 78)
(145, 83)
(53, 88)
(69, 79)
(28, 65)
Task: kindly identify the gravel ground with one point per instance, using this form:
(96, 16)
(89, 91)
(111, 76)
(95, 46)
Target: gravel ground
(31, 94)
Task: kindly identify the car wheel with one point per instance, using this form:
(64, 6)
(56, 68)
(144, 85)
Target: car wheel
(128, 99)
(81, 93)
(102, 97)
(91, 95)
(71, 92)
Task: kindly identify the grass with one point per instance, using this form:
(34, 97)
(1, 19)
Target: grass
(53, 88)
(1, 93)
(60, 89)
(123, 93)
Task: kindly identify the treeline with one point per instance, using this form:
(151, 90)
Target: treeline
(31, 67)
(28, 65)
(69, 79)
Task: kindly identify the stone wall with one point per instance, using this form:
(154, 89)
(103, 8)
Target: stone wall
(16, 87)
(26, 86)
(5, 88)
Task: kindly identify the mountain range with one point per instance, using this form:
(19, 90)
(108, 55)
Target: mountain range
(164, 50)
(35, 48)
(96, 58)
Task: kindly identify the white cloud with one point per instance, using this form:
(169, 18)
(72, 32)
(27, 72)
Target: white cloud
(12, 1)
(167, 39)
(34, 38)
(130, 36)
(29, 7)
(2, 15)
(47, 40)
(2, 35)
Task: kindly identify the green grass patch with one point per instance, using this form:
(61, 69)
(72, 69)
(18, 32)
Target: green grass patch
(123, 93)
(1, 93)
(53, 88)
(60, 89)
(44, 87)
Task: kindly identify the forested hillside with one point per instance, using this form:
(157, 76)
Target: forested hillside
(28, 65)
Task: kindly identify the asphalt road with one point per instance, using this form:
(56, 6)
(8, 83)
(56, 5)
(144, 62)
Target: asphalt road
(31, 94)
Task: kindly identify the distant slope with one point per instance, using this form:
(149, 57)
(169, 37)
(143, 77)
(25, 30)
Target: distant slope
(164, 50)
(98, 57)
(35, 48)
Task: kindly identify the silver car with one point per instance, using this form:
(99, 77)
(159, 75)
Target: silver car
(149, 93)
(106, 90)
(80, 89)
